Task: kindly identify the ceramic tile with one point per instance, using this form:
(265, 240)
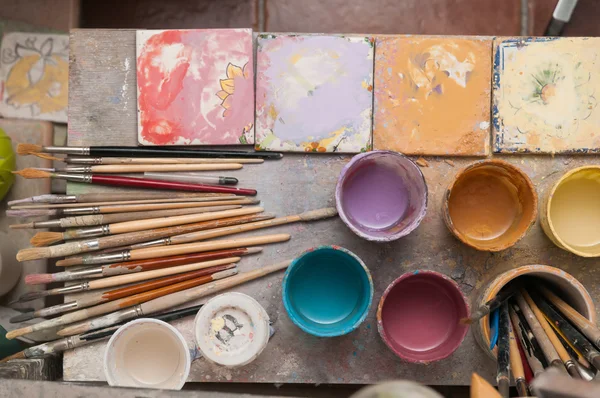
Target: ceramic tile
(195, 87)
(432, 95)
(35, 71)
(314, 93)
(545, 95)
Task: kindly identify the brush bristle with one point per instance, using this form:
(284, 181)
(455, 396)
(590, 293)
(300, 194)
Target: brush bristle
(46, 238)
(22, 318)
(33, 253)
(465, 321)
(38, 279)
(30, 212)
(33, 173)
(28, 149)
(21, 226)
(69, 261)
(29, 296)
(47, 156)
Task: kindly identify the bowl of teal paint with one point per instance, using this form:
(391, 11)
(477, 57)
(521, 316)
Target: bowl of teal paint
(327, 291)
(381, 195)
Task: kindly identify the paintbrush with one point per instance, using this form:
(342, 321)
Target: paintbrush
(562, 353)
(132, 182)
(57, 346)
(539, 333)
(312, 215)
(136, 152)
(491, 305)
(111, 196)
(572, 350)
(482, 389)
(102, 283)
(172, 300)
(108, 209)
(77, 247)
(87, 160)
(148, 226)
(131, 267)
(516, 366)
(586, 327)
(116, 305)
(142, 168)
(503, 355)
(196, 178)
(155, 252)
(572, 334)
(530, 346)
(99, 298)
(100, 219)
(127, 202)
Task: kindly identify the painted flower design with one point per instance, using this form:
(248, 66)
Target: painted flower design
(228, 85)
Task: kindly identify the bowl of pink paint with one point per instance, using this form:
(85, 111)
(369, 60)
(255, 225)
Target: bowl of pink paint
(381, 195)
(418, 316)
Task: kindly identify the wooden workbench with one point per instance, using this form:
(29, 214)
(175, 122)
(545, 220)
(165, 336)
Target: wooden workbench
(102, 111)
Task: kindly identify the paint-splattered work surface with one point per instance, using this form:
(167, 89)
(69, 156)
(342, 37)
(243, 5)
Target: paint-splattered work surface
(195, 87)
(302, 182)
(432, 95)
(546, 95)
(314, 93)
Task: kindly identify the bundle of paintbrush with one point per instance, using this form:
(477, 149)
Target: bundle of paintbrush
(533, 329)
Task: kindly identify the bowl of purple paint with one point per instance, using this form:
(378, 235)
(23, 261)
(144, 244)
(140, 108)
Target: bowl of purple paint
(381, 195)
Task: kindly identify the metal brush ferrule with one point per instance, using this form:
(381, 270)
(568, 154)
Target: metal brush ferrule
(47, 224)
(57, 309)
(62, 199)
(77, 169)
(84, 273)
(81, 210)
(68, 150)
(76, 160)
(89, 232)
(87, 178)
(152, 243)
(107, 258)
(73, 289)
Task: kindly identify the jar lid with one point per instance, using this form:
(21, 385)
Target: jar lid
(232, 329)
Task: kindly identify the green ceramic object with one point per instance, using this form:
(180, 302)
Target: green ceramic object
(7, 164)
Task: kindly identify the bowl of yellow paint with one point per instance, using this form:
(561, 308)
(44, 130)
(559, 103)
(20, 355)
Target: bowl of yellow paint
(490, 205)
(571, 212)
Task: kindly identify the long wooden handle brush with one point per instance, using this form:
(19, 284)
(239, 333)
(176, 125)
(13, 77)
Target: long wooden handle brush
(126, 202)
(137, 152)
(560, 349)
(111, 196)
(101, 219)
(312, 215)
(504, 294)
(172, 300)
(516, 366)
(530, 348)
(108, 209)
(503, 355)
(126, 240)
(131, 267)
(120, 181)
(99, 298)
(100, 160)
(141, 168)
(77, 247)
(116, 305)
(586, 327)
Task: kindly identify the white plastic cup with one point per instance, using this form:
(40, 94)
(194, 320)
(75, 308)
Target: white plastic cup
(232, 329)
(147, 353)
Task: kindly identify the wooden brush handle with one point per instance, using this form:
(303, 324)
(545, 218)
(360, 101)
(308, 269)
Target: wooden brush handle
(139, 225)
(176, 160)
(170, 185)
(188, 295)
(319, 214)
(161, 251)
(516, 366)
(166, 206)
(586, 327)
(164, 262)
(144, 276)
(114, 196)
(141, 168)
(534, 363)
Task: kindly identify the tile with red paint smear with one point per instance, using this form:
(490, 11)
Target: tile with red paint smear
(195, 87)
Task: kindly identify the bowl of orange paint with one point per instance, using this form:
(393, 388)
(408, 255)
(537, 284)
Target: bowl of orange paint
(571, 212)
(490, 205)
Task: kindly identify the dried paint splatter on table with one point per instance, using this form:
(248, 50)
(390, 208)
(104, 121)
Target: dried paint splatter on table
(35, 72)
(546, 95)
(314, 93)
(195, 87)
(432, 95)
